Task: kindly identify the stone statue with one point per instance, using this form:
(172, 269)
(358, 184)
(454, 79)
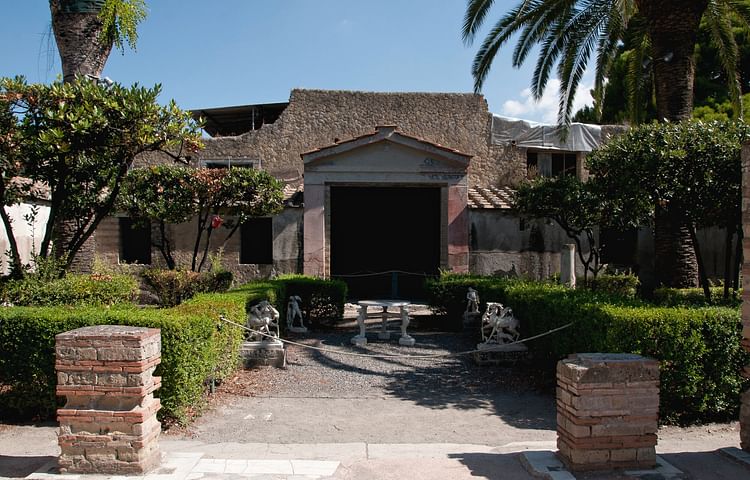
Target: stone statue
(361, 339)
(405, 339)
(293, 311)
(472, 304)
(499, 326)
(263, 320)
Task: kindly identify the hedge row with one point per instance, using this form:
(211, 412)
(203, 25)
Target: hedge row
(197, 347)
(72, 289)
(698, 348)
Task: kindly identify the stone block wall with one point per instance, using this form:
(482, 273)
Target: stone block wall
(745, 407)
(607, 411)
(108, 424)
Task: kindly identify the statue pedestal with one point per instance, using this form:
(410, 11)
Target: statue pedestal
(359, 341)
(496, 353)
(269, 353)
(406, 341)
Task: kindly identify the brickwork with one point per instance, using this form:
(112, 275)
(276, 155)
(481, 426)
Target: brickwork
(607, 411)
(108, 424)
(745, 407)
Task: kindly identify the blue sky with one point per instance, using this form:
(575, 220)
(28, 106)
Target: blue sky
(233, 52)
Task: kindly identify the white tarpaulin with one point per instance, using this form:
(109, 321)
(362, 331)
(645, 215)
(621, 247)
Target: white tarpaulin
(523, 133)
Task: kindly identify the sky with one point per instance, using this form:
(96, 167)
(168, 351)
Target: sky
(235, 52)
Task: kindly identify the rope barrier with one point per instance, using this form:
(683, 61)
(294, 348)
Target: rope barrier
(397, 355)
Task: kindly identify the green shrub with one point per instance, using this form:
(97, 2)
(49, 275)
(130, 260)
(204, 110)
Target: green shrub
(175, 286)
(72, 289)
(687, 297)
(698, 348)
(620, 285)
(197, 347)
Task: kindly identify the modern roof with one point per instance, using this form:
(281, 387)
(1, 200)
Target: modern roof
(492, 197)
(232, 121)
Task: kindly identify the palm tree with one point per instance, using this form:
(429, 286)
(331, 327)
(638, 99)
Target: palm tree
(570, 33)
(85, 32)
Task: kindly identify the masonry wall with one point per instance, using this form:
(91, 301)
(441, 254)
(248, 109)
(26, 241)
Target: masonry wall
(287, 231)
(501, 243)
(317, 118)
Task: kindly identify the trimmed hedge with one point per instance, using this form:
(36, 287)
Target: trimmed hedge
(694, 297)
(175, 286)
(72, 289)
(698, 348)
(447, 294)
(197, 347)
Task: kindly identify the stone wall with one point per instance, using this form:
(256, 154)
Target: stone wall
(745, 408)
(318, 118)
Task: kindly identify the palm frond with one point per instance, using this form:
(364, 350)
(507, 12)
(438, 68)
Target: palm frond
(476, 12)
(719, 21)
(638, 75)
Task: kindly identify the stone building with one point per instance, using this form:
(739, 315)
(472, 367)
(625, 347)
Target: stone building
(382, 189)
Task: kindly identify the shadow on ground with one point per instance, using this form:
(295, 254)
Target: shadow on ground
(21, 466)
(441, 382)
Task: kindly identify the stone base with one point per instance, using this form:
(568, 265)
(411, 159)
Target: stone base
(472, 321)
(745, 421)
(265, 354)
(494, 354)
(359, 341)
(406, 341)
(297, 329)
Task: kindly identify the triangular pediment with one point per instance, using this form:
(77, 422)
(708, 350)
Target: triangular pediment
(386, 150)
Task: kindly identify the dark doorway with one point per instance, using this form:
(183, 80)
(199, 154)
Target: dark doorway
(385, 240)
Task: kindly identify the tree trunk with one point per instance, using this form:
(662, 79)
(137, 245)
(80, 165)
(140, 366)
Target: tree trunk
(676, 264)
(673, 28)
(78, 29)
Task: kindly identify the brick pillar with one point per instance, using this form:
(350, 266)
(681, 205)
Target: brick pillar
(745, 406)
(108, 424)
(607, 411)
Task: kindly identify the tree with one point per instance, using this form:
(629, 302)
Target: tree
(79, 139)
(572, 205)
(86, 31)
(693, 167)
(570, 32)
(172, 194)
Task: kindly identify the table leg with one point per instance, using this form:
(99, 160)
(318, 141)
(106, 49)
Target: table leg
(405, 339)
(383, 334)
(361, 339)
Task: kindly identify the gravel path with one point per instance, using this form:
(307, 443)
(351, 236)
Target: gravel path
(327, 397)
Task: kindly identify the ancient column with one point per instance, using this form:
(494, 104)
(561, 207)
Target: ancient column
(607, 411)
(108, 424)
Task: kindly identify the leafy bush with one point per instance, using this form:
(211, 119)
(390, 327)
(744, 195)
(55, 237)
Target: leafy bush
(621, 285)
(72, 289)
(196, 348)
(698, 348)
(686, 297)
(175, 286)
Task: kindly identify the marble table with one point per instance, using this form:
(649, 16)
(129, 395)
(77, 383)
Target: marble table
(384, 334)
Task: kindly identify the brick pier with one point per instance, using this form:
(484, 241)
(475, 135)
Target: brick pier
(607, 411)
(108, 424)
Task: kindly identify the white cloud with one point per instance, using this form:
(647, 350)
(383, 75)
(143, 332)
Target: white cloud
(545, 110)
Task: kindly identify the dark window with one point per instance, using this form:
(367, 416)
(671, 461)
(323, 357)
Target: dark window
(135, 242)
(532, 164)
(563, 164)
(229, 163)
(256, 241)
